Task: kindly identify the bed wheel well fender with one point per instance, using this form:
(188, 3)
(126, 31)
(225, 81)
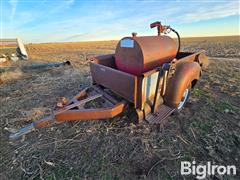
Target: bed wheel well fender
(186, 74)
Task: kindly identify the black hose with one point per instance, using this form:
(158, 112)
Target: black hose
(179, 41)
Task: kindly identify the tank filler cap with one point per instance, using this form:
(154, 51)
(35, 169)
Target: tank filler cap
(134, 34)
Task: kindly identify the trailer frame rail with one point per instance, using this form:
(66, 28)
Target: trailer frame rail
(75, 110)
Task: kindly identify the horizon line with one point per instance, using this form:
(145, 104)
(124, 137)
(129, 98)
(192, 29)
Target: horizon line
(184, 37)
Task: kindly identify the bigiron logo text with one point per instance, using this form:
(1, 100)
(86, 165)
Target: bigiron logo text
(202, 171)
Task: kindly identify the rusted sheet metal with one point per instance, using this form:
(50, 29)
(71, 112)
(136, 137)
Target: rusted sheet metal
(120, 82)
(90, 114)
(185, 73)
(199, 57)
(140, 90)
(136, 55)
(105, 60)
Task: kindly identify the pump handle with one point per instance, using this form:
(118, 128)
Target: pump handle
(166, 30)
(155, 24)
(159, 26)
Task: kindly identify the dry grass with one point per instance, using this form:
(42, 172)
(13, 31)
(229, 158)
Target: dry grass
(214, 46)
(7, 76)
(77, 52)
(206, 130)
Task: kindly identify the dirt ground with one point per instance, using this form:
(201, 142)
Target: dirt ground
(208, 129)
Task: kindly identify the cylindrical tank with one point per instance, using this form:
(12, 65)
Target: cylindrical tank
(136, 55)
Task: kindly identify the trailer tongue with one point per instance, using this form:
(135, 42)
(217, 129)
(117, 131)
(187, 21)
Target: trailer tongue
(149, 73)
(70, 110)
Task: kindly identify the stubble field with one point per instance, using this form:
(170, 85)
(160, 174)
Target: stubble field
(208, 129)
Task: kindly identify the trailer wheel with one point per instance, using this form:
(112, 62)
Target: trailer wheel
(184, 100)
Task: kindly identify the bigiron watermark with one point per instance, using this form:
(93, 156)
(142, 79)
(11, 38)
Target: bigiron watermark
(202, 171)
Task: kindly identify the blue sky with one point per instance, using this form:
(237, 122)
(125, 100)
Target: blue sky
(83, 20)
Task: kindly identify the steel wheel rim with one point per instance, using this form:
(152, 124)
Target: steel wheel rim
(184, 99)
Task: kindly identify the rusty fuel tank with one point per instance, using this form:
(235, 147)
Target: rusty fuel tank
(136, 55)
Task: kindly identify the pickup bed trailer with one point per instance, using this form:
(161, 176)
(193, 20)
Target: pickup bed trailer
(156, 88)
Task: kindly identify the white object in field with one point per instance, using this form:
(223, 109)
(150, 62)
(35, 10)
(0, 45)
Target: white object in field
(22, 49)
(127, 43)
(3, 56)
(14, 58)
(3, 59)
(16, 42)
